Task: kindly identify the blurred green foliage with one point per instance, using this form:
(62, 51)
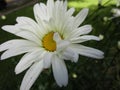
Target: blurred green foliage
(91, 74)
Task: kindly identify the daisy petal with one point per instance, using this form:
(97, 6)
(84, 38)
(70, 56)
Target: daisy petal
(24, 24)
(40, 17)
(29, 36)
(59, 71)
(57, 37)
(16, 51)
(17, 43)
(47, 59)
(70, 11)
(80, 17)
(27, 60)
(40, 12)
(84, 39)
(50, 7)
(61, 44)
(80, 31)
(65, 5)
(11, 29)
(87, 51)
(84, 30)
(31, 75)
(69, 54)
(21, 33)
(28, 24)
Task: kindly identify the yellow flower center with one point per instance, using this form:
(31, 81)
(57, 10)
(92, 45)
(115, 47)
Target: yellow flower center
(48, 42)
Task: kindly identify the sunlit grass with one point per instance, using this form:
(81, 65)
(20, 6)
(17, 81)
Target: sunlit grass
(89, 3)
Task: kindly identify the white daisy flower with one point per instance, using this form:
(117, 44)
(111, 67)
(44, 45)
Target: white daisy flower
(55, 36)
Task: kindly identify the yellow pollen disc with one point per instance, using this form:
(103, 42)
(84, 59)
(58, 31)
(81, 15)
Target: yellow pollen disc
(48, 42)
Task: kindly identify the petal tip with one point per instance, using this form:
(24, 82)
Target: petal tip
(16, 72)
(86, 9)
(2, 58)
(3, 27)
